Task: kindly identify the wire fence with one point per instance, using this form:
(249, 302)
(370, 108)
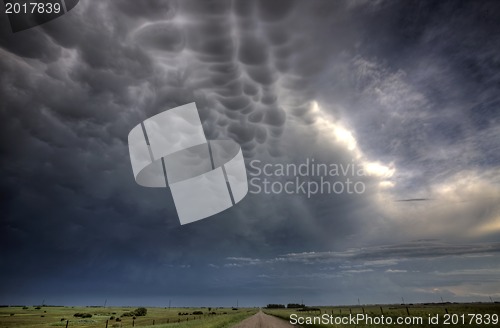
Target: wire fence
(119, 323)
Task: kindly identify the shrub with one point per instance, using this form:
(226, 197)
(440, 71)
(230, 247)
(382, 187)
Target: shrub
(118, 319)
(37, 308)
(25, 307)
(82, 315)
(112, 318)
(140, 312)
(309, 309)
(197, 312)
(63, 319)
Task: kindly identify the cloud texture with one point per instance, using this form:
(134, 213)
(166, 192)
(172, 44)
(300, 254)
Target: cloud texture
(409, 90)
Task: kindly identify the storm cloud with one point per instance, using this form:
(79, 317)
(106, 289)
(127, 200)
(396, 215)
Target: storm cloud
(407, 90)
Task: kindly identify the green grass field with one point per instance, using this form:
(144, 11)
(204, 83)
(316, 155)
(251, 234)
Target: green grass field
(52, 316)
(49, 316)
(450, 315)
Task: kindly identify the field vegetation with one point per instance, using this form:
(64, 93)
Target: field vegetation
(114, 317)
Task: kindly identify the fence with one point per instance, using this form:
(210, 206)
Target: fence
(143, 322)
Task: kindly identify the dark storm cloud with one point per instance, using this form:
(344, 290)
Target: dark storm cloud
(377, 254)
(253, 51)
(72, 89)
(274, 11)
(155, 9)
(161, 36)
(418, 270)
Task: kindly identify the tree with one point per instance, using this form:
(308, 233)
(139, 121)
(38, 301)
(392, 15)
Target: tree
(140, 312)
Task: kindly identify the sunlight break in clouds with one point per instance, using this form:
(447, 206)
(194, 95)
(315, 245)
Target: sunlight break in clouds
(335, 131)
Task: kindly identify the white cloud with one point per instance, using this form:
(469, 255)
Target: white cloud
(336, 132)
(463, 205)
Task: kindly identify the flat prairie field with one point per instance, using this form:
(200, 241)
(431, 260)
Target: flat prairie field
(111, 317)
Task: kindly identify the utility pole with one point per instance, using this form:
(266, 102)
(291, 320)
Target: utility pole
(105, 301)
(169, 303)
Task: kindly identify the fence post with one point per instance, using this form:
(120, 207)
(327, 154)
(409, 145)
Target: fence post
(67, 323)
(407, 311)
(153, 322)
(133, 322)
(381, 311)
(107, 323)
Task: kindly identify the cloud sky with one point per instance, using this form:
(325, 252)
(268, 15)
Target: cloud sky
(407, 90)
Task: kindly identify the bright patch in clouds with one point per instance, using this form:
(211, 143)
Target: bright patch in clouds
(335, 131)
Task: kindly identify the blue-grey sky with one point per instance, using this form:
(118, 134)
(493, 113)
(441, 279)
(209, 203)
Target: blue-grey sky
(407, 90)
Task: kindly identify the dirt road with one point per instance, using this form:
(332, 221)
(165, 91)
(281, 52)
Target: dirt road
(262, 320)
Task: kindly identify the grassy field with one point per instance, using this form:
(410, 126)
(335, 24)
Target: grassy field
(449, 315)
(52, 316)
(49, 316)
